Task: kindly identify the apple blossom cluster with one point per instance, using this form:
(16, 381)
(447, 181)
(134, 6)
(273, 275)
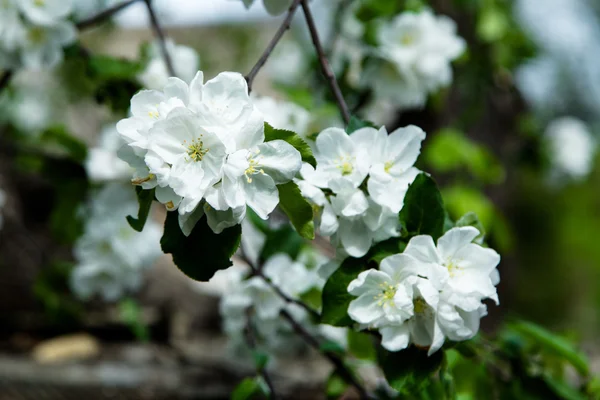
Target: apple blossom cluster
(429, 293)
(572, 147)
(251, 294)
(202, 146)
(186, 63)
(33, 32)
(417, 49)
(359, 184)
(111, 256)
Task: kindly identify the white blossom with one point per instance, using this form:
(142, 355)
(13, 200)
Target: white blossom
(103, 163)
(185, 63)
(110, 255)
(45, 12)
(572, 147)
(418, 48)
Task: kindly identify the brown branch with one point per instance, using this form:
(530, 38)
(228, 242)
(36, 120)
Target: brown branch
(337, 362)
(103, 15)
(251, 340)
(325, 67)
(160, 35)
(267, 53)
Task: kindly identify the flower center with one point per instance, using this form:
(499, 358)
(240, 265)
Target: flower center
(453, 269)
(407, 39)
(420, 305)
(387, 166)
(36, 35)
(344, 164)
(253, 167)
(387, 294)
(196, 150)
(39, 3)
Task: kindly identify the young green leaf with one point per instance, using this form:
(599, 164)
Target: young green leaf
(283, 240)
(292, 138)
(335, 293)
(203, 252)
(249, 388)
(471, 219)
(423, 211)
(409, 370)
(145, 198)
(298, 210)
(357, 123)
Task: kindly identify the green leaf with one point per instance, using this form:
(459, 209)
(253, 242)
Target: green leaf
(563, 390)
(335, 293)
(145, 198)
(283, 240)
(297, 208)
(336, 386)
(261, 359)
(130, 313)
(360, 345)
(410, 369)
(247, 389)
(292, 138)
(471, 219)
(203, 252)
(357, 123)
(553, 344)
(384, 249)
(106, 67)
(423, 211)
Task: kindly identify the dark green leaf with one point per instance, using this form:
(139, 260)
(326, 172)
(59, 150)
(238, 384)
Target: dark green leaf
(106, 67)
(292, 138)
(384, 249)
(330, 346)
(553, 343)
(410, 369)
(357, 123)
(203, 252)
(249, 388)
(335, 293)
(145, 198)
(260, 359)
(283, 240)
(423, 212)
(297, 208)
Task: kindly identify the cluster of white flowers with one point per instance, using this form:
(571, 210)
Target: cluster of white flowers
(418, 49)
(102, 163)
(428, 293)
(202, 147)
(355, 213)
(186, 63)
(572, 147)
(33, 32)
(111, 256)
(254, 295)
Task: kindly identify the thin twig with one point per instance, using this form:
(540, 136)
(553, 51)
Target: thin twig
(281, 294)
(267, 53)
(325, 67)
(160, 35)
(251, 339)
(337, 362)
(103, 15)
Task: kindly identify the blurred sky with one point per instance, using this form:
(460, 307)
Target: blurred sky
(193, 12)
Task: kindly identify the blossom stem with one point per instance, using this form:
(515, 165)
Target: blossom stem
(251, 340)
(337, 362)
(160, 35)
(325, 67)
(267, 53)
(103, 15)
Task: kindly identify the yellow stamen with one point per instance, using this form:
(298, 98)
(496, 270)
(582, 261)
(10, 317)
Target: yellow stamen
(139, 181)
(170, 205)
(253, 164)
(387, 166)
(407, 39)
(196, 150)
(39, 3)
(420, 305)
(387, 294)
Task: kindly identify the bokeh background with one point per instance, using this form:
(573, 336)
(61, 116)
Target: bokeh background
(531, 69)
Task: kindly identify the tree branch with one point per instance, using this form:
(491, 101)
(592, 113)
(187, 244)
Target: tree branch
(337, 362)
(160, 35)
(325, 67)
(103, 15)
(251, 339)
(267, 53)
